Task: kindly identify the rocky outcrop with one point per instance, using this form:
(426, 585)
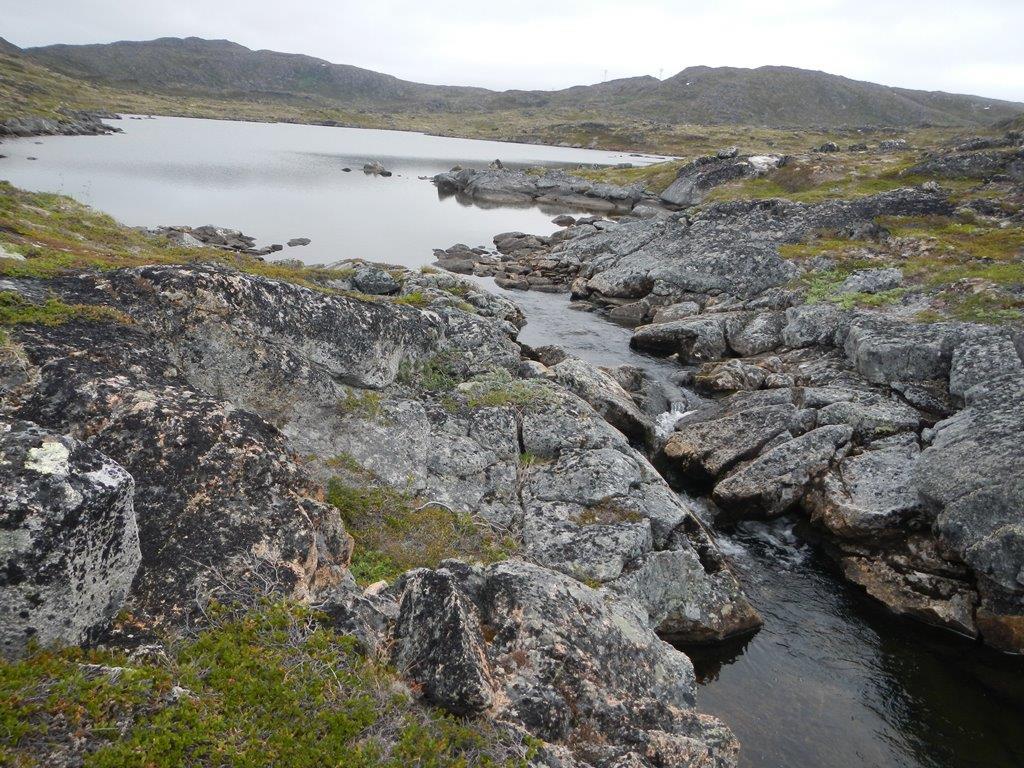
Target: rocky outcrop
(218, 493)
(209, 236)
(504, 186)
(212, 378)
(75, 123)
(850, 417)
(694, 179)
(893, 436)
(480, 639)
(984, 160)
(69, 543)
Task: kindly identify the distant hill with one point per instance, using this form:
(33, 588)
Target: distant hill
(222, 68)
(8, 47)
(767, 96)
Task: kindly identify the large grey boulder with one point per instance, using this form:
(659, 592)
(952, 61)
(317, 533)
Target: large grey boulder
(605, 395)
(695, 179)
(704, 449)
(870, 495)
(972, 477)
(775, 481)
(886, 350)
(375, 281)
(695, 339)
(218, 493)
(438, 644)
(69, 542)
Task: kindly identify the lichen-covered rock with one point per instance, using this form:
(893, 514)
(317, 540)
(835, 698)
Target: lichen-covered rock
(438, 644)
(605, 395)
(972, 477)
(694, 179)
(775, 481)
(704, 449)
(218, 494)
(69, 543)
(566, 662)
(870, 495)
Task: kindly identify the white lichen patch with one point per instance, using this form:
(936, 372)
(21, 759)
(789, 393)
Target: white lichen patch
(50, 458)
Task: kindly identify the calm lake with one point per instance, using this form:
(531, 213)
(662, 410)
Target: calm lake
(827, 682)
(278, 181)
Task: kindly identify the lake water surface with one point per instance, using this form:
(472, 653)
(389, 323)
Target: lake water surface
(827, 682)
(277, 181)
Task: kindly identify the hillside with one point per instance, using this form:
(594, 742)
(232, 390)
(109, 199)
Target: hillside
(767, 96)
(224, 68)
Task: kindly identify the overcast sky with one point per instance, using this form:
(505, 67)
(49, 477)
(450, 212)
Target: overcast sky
(966, 47)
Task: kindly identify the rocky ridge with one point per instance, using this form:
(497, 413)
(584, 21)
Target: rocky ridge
(204, 386)
(72, 123)
(890, 434)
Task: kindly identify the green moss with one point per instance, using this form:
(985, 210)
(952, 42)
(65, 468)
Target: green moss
(859, 299)
(16, 310)
(528, 459)
(413, 299)
(273, 685)
(363, 403)
(395, 532)
(438, 373)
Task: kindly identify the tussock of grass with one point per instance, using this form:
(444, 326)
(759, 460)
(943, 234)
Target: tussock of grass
(395, 532)
(271, 685)
(655, 177)
(438, 373)
(608, 513)
(499, 389)
(16, 310)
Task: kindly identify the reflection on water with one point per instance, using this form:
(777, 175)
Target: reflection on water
(279, 181)
(829, 682)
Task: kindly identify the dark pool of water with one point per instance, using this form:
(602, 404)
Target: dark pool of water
(829, 681)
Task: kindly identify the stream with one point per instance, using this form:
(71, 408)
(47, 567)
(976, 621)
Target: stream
(828, 680)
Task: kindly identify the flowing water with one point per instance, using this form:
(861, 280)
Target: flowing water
(827, 682)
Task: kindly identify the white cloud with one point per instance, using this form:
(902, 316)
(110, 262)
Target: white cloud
(935, 45)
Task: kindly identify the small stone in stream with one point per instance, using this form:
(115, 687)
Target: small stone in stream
(31, 158)
(346, 170)
(565, 220)
(375, 168)
(298, 241)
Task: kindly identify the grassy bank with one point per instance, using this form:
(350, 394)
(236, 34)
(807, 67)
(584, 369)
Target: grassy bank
(269, 684)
